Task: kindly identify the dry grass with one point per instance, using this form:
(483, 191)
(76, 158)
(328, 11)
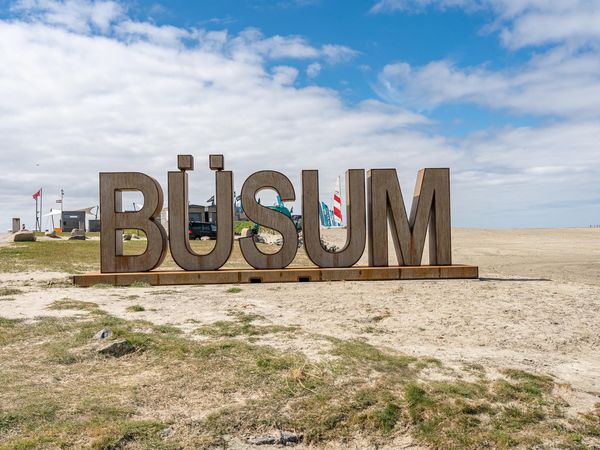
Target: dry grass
(176, 392)
(84, 256)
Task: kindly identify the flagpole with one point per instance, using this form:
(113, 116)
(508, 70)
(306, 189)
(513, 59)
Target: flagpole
(41, 208)
(37, 217)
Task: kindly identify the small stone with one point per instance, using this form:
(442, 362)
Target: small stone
(104, 333)
(126, 237)
(286, 438)
(262, 440)
(117, 348)
(167, 432)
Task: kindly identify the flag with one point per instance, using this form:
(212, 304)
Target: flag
(37, 194)
(337, 204)
(211, 200)
(325, 215)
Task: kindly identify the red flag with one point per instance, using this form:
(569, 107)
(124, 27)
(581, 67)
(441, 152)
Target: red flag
(37, 194)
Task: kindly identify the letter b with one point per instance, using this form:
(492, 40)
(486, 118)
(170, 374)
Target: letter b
(113, 221)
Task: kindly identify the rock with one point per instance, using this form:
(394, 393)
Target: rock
(126, 237)
(117, 348)
(167, 432)
(262, 440)
(205, 238)
(104, 333)
(24, 236)
(286, 438)
(77, 235)
(51, 234)
(260, 239)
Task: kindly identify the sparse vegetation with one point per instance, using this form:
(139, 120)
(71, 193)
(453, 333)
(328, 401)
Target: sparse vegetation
(67, 303)
(135, 308)
(234, 290)
(84, 256)
(361, 390)
(242, 326)
(239, 225)
(8, 291)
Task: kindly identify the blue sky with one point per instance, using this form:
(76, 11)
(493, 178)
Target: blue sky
(503, 92)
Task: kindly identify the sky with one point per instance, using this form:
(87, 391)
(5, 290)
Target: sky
(506, 93)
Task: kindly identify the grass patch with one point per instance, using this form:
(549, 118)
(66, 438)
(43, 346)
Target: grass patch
(239, 225)
(7, 291)
(135, 308)
(242, 325)
(67, 303)
(84, 256)
(56, 393)
(234, 290)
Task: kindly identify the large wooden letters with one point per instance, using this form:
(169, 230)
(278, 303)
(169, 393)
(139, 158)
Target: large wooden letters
(269, 218)
(355, 212)
(114, 221)
(385, 211)
(180, 247)
(430, 208)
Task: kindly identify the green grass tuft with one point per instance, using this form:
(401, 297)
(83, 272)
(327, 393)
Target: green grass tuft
(135, 308)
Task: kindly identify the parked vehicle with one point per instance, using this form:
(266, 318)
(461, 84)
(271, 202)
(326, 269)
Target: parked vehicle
(199, 230)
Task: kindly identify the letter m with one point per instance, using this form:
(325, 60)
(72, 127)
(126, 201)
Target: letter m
(430, 209)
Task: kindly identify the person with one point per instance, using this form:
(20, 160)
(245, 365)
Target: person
(23, 228)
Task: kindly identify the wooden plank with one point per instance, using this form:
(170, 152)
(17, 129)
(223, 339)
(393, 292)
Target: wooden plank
(233, 276)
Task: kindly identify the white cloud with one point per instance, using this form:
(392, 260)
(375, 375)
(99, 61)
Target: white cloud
(558, 83)
(521, 23)
(284, 75)
(313, 70)
(76, 103)
(76, 15)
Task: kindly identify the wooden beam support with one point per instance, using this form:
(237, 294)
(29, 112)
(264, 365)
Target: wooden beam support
(234, 276)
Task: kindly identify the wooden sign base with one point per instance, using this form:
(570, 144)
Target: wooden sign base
(291, 275)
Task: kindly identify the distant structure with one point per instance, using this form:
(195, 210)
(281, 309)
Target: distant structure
(16, 224)
(71, 220)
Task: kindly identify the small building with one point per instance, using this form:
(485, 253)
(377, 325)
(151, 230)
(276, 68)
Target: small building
(210, 214)
(71, 220)
(197, 213)
(94, 225)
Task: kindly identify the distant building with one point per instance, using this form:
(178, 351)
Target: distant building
(71, 220)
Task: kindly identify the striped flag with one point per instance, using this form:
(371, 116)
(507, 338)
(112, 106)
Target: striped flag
(337, 204)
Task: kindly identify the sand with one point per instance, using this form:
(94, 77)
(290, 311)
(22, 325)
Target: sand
(536, 307)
